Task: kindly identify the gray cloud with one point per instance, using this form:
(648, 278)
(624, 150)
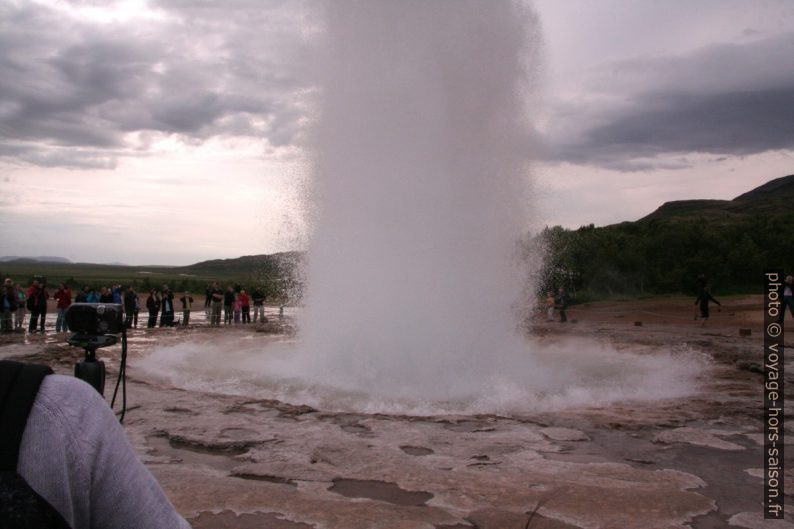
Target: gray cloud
(56, 156)
(725, 99)
(70, 88)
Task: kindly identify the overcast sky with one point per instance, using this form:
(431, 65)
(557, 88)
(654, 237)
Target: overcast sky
(174, 131)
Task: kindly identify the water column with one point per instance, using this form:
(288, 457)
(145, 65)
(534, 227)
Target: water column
(419, 197)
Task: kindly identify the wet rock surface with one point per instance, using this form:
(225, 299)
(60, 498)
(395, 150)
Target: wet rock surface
(232, 461)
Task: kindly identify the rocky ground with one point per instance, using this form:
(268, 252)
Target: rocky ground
(236, 462)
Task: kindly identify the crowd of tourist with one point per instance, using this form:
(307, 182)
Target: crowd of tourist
(236, 305)
(234, 302)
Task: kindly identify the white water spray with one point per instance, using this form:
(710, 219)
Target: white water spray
(419, 184)
(419, 198)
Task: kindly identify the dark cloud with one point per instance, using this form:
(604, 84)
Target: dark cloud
(738, 123)
(73, 87)
(724, 99)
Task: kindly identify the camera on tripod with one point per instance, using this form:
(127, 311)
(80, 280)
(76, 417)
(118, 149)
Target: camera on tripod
(97, 325)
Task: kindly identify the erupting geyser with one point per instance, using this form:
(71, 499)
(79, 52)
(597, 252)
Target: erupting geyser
(419, 185)
(419, 201)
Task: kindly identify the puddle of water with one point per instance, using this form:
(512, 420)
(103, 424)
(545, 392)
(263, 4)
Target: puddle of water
(270, 479)
(356, 429)
(238, 433)
(380, 491)
(417, 450)
(711, 520)
(194, 455)
(257, 520)
(464, 426)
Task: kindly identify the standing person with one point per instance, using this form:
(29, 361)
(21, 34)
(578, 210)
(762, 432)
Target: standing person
(9, 305)
(208, 302)
(82, 296)
(703, 299)
(117, 295)
(37, 305)
(259, 304)
(187, 303)
(93, 296)
(19, 315)
(167, 316)
(64, 298)
(562, 301)
(228, 305)
(238, 306)
(245, 306)
(550, 306)
(153, 306)
(216, 296)
(105, 295)
(130, 306)
(136, 310)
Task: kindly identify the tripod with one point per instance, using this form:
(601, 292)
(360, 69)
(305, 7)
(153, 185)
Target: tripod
(92, 370)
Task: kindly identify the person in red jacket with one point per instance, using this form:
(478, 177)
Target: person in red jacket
(245, 305)
(64, 298)
(37, 305)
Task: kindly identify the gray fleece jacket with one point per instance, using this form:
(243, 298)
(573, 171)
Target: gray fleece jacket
(76, 456)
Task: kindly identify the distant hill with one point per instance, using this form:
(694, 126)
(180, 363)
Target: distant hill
(730, 242)
(775, 196)
(277, 274)
(41, 259)
(244, 264)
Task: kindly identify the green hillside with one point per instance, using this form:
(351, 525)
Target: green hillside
(774, 197)
(274, 273)
(729, 241)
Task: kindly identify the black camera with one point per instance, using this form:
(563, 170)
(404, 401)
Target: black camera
(96, 325)
(95, 319)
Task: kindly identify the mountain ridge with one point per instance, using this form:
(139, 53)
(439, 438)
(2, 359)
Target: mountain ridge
(772, 197)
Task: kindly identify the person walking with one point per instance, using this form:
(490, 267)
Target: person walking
(64, 298)
(153, 306)
(259, 304)
(703, 300)
(187, 303)
(37, 305)
(19, 315)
